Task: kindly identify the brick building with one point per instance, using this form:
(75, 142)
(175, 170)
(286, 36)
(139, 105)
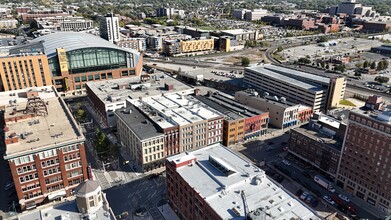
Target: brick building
(364, 167)
(241, 122)
(24, 71)
(213, 182)
(44, 147)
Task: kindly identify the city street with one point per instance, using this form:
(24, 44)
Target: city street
(296, 176)
(147, 192)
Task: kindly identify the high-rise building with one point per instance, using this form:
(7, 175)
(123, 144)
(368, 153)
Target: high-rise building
(364, 168)
(109, 28)
(216, 183)
(24, 71)
(44, 147)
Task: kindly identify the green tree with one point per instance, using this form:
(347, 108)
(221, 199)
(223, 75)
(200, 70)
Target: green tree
(81, 114)
(340, 68)
(382, 79)
(385, 63)
(245, 61)
(365, 64)
(380, 66)
(357, 73)
(327, 66)
(304, 60)
(359, 65)
(323, 39)
(373, 65)
(322, 64)
(279, 49)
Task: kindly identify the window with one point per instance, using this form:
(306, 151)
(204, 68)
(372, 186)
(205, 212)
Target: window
(103, 76)
(78, 87)
(83, 78)
(77, 79)
(97, 76)
(90, 77)
(110, 75)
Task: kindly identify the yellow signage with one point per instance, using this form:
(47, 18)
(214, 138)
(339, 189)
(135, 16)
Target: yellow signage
(62, 60)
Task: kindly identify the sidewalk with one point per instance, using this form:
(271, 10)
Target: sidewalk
(167, 212)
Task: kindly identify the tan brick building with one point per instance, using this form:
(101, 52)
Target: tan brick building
(23, 71)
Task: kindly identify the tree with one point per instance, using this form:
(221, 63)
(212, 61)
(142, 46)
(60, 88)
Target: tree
(245, 61)
(382, 79)
(322, 64)
(340, 68)
(327, 66)
(365, 64)
(385, 63)
(279, 49)
(357, 73)
(304, 60)
(380, 66)
(373, 65)
(359, 65)
(323, 39)
(81, 114)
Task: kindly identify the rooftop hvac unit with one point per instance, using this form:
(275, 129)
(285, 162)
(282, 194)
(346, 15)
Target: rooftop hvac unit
(275, 98)
(283, 99)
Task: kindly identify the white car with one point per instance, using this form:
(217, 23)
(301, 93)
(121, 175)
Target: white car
(332, 190)
(286, 162)
(304, 195)
(328, 200)
(344, 198)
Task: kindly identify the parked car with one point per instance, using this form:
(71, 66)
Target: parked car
(328, 200)
(304, 195)
(314, 203)
(299, 192)
(309, 199)
(344, 198)
(286, 162)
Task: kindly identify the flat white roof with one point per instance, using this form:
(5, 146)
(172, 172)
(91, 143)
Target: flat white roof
(238, 31)
(222, 192)
(262, 70)
(175, 109)
(118, 90)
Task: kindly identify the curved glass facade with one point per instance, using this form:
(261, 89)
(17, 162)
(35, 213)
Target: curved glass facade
(93, 59)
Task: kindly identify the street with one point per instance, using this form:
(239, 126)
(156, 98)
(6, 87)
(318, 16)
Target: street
(147, 192)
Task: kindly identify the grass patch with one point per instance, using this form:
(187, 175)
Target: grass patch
(346, 102)
(278, 57)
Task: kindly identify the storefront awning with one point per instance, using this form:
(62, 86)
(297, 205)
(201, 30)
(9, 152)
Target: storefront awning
(56, 194)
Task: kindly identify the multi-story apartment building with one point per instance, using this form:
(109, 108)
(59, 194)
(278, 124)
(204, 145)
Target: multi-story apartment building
(156, 127)
(216, 183)
(170, 13)
(8, 23)
(319, 142)
(29, 14)
(321, 93)
(241, 122)
(138, 44)
(199, 125)
(146, 137)
(44, 147)
(282, 113)
(106, 97)
(76, 58)
(189, 46)
(63, 23)
(364, 168)
(109, 28)
(24, 71)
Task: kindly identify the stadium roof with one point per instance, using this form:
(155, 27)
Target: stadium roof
(76, 40)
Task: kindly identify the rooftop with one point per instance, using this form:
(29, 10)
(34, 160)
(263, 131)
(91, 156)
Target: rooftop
(111, 91)
(228, 107)
(320, 136)
(76, 40)
(383, 116)
(37, 132)
(142, 126)
(298, 74)
(221, 187)
(272, 99)
(64, 211)
(237, 31)
(262, 70)
(175, 109)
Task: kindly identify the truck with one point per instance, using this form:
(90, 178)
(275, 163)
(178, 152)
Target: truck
(324, 182)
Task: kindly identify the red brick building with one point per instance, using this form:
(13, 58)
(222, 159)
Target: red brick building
(364, 168)
(44, 148)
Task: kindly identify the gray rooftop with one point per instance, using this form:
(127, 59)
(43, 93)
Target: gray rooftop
(286, 104)
(65, 211)
(121, 89)
(221, 187)
(261, 70)
(229, 107)
(40, 132)
(383, 116)
(87, 187)
(142, 126)
(319, 136)
(76, 40)
(298, 74)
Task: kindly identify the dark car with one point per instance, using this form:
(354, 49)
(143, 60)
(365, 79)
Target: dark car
(299, 192)
(314, 203)
(306, 175)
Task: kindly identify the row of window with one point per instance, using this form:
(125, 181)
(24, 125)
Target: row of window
(28, 177)
(25, 169)
(30, 186)
(153, 157)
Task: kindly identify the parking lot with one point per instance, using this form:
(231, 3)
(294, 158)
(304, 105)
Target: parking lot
(344, 46)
